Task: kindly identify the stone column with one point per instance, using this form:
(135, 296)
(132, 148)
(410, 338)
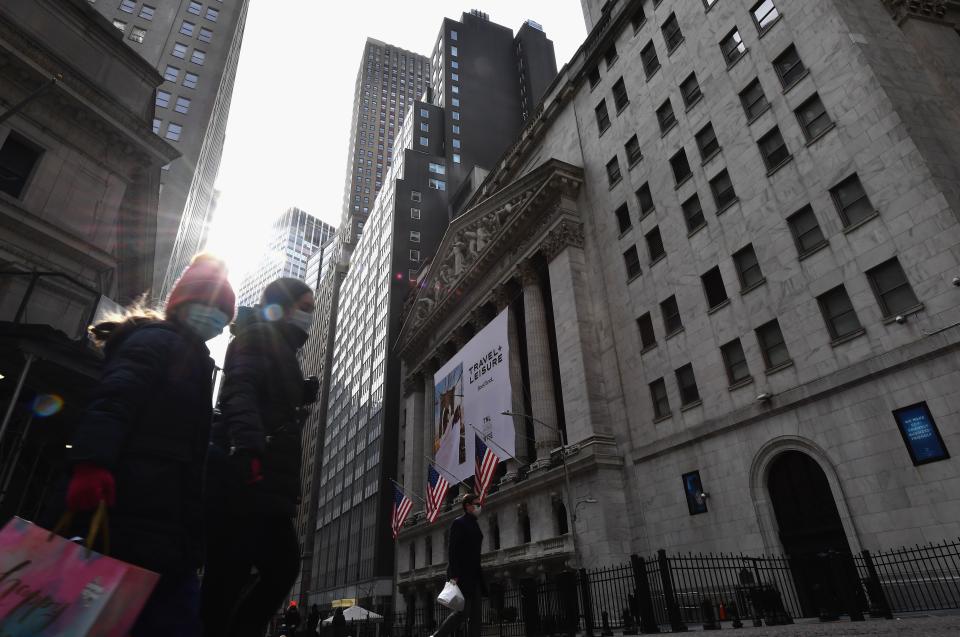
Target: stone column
(542, 398)
(428, 431)
(413, 460)
(501, 299)
(581, 370)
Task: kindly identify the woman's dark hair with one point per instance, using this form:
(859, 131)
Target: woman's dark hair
(284, 292)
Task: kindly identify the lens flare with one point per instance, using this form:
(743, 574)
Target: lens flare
(46, 405)
(272, 312)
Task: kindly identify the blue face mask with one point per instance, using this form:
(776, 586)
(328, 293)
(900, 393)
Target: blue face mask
(205, 321)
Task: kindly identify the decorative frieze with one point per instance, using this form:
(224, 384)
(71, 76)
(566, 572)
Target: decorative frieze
(903, 9)
(567, 233)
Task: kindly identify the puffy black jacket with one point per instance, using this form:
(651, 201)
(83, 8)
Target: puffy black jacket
(261, 415)
(149, 422)
(465, 545)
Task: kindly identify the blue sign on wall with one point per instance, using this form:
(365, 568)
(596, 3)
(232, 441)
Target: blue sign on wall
(920, 434)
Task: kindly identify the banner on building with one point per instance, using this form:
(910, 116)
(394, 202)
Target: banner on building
(471, 392)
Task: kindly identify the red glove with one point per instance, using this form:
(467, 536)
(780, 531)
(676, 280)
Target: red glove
(89, 486)
(256, 471)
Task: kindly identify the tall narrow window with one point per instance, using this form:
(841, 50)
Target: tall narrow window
(892, 289)
(789, 67)
(163, 99)
(732, 47)
(611, 55)
(690, 90)
(18, 158)
(671, 32)
(735, 361)
(632, 148)
(772, 345)
(632, 262)
(672, 322)
(713, 288)
(806, 231)
(620, 98)
(655, 245)
(647, 337)
(638, 19)
(174, 131)
(603, 118)
(722, 188)
(748, 268)
(147, 12)
(753, 99)
(651, 64)
(687, 384)
(693, 214)
(645, 199)
(680, 166)
(773, 149)
(613, 171)
(623, 218)
(764, 14)
(838, 313)
(813, 118)
(665, 117)
(593, 75)
(182, 105)
(707, 142)
(658, 395)
(851, 201)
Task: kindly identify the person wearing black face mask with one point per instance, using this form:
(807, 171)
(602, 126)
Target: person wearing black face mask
(253, 474)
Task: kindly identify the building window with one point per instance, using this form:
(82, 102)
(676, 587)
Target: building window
(772, 345)
(644, 199)
(425, 127)
(603, 118)
(613, 171)
(414, 213)
(733, 47)
(851, 201)
(171, 73)
(179, 50)
(665, 117)
(623, 218)
(813, 118)
(455, 143)
(672, 323)
(735, 361)
(455, 115)
(194, 7)
(838, 313)
(693, 214)
(190, 80)
(453, 35)
(658, 395)
(156, 126)
(789, 67)
(454, 52)
(707, 142)
(638, 19)
(137, 34)
(424, 113)
(414, 236)
(128, 5)
(722, 188)
(120, 25)
(620, 99)
(753, 100)
(632, 147)
(414, 195)
(415, 255)
(611, 55)
(212, 14)
(456, 158)
(183, 105)
(806, 231)
(687, 383)
(455, 89)
(680, 166)
(690, 90)
(631, 259)
(892, 289)
(748, 268)
(713, 288)
(186, 28)
(198, 57)
(205, 35)
(455, 129)
(438, 169)
(147, 12)
(655, 245)
(163, 99)
(764, 15)
(773, 149)
(672, 33)
(424, 141)
(593, 75)
(645, 326)
(651, 64)
(18, 158)
(174, 131)
(436, 184)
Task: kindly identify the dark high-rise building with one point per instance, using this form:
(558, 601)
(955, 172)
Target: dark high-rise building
(471, 113)
(195, 44)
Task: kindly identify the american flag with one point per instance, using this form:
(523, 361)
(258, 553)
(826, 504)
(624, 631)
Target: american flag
(401, 509)
(437, 487)
(487, 462)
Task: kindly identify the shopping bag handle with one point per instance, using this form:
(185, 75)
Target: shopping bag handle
(98, 523)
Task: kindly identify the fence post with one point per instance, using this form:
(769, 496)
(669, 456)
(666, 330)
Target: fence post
(586, 600)
(880, 607)
(647, 619)
(673, 609)
(570, 611)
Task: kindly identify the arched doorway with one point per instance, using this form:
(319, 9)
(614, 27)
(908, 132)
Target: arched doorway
(811, 531)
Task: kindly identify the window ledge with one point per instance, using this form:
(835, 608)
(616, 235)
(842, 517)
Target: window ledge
(604, 130)
(718, 307)
(648, 348)
(634, 162)
(622, 108)
(862, 222)
(662, 418)
(677, 46)
(733, 63)
(610, 63)
(887, 320)
(698, 402)
(650, 74)
(644, 215)
(741, 383)
(786, 89)
(846, 338)
(710, 157)
(614, 183)
(697, 229)
(779, 368)
(692, 104)
(625, 233)
(683, 181)
(673, 333)
(593, 86)
(751, 288)
(776, 169)
(666, 131)
(634, 277)
(727, 206)
(640, 26)
(812, 251)
(765, 30)
(751, 120)
(658, 259)
(813, 140)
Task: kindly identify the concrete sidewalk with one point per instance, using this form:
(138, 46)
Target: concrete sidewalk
(947, 625)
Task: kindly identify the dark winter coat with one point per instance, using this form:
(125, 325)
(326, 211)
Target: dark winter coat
(465, 545)
(261, 404)
(148, 422)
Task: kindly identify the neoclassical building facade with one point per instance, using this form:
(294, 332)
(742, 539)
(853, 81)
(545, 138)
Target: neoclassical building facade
(729, 244)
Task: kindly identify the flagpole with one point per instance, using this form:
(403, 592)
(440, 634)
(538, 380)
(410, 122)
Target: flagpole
(399, 486)
(445, 470)
(488, 437)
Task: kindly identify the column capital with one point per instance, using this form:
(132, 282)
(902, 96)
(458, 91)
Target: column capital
(527, 272)
(500, 297)
(929, 9)
(566, 234)
(413, 383)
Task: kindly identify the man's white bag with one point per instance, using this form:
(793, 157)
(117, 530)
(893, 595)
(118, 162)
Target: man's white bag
(451, 596)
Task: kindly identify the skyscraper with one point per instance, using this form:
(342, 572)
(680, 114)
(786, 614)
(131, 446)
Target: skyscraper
(196, 47)
(436, 150)
(294, 237)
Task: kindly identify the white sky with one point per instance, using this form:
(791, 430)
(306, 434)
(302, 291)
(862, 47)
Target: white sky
(287, 138)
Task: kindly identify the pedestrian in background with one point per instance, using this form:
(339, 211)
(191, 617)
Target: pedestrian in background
(463, 568)
(254, 484)
(141, 444)
(313, 619)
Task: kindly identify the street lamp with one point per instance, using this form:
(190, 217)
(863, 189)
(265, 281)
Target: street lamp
(571, 508)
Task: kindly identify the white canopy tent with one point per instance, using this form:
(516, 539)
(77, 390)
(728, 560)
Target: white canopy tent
(356, 614)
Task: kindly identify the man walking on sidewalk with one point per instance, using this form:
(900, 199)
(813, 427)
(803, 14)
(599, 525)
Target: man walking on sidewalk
(463, 568)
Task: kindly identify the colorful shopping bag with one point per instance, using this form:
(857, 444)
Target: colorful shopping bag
(51, 587)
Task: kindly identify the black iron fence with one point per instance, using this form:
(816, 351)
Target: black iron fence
(671, 593)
